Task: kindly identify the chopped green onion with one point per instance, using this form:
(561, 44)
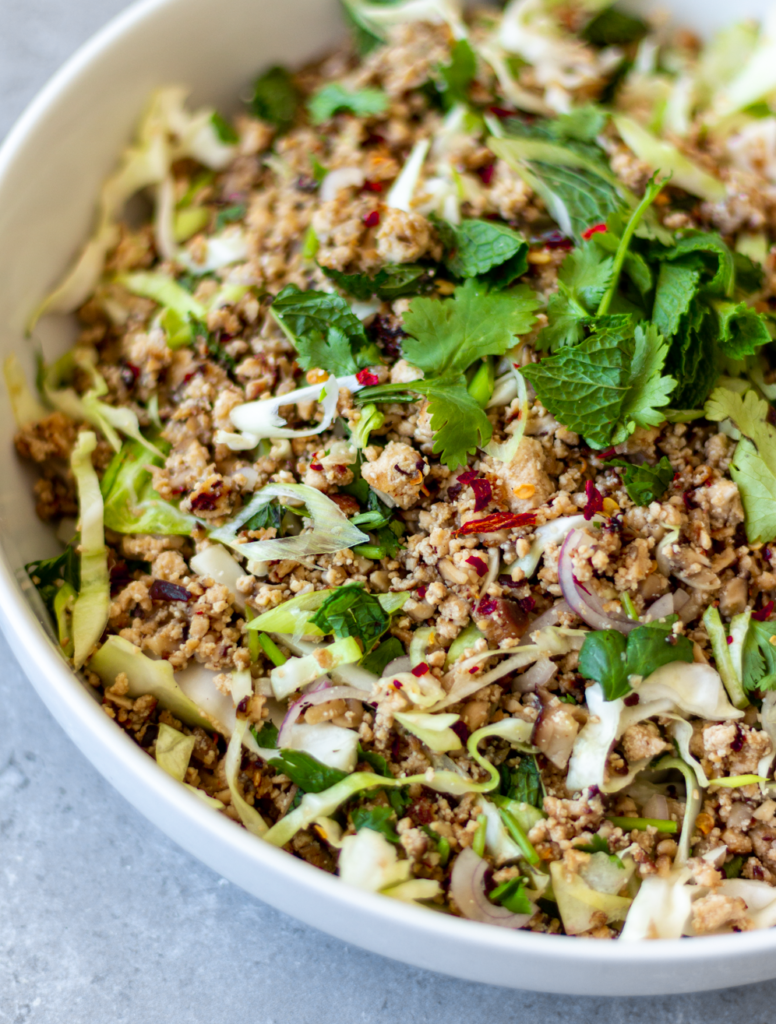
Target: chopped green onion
(310, 244)
(373, 551)
(630, 608)
(628, 824)
(271, 649)
(479, 836)
(519, 836)
(734, 781)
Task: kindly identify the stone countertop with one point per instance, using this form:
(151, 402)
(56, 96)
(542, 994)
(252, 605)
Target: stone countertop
(103, 919)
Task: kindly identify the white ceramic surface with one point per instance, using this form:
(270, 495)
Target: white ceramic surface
(51, 167)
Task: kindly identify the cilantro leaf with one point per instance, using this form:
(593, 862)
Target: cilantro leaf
(446, 336)
(382, 655)
(754, 464)
(523, 783)
(325, 331)
(275, 98)
(584, 276)
(759, 656)
(512, 896)
(476, 248)
(351, 611)
(306, 771)
(47, 574)
(599, 845)
(390, 282)
(741, 330)
(610, 658)
(583, 123)
(334, 98)
(458, 421)
(648, 390)
(267, 736)
(645, 484)
(456, 77)
(614, 28)
(379, 819)
(223, 129)
(268, 517)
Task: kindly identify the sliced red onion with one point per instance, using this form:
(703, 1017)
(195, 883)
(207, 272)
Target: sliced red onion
(548, 618)
(539, 674)
(467, 887)
(660, 608)
(398, 665)
(585, 603)
(322, 696)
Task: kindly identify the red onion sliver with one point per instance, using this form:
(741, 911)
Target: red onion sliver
(548, 618)
(322, 696)
(398, 666)
(539, 674)
(467, 886)
(660, 608)
(584, 603)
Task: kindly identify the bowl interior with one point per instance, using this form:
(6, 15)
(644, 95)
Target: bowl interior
(51, 168)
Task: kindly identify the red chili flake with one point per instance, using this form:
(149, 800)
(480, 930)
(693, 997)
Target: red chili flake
(163, 590)
(730, 639)
(477, 564)
(594, 229)
(461, 730)
(595, 500)
(367, 378)
(739, 741)
(764, 613)
(507, 581)
(608, 454)
(421, 670)
(206, 501)
(497, 521)
(528, 603)
(316, 466)
(421, 591)
(483, 493)
(631, 699)
(502, 112)
(374, 139)
(556, 240)
(675, 480)
(397, 685)
(486, 173)
(487, 606)
(372, 219)
(689, 501)
(373, 186)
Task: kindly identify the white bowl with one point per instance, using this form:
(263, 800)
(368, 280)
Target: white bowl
(51, 167)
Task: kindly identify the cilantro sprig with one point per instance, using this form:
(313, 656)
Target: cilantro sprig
(609, 658)
(335, 98)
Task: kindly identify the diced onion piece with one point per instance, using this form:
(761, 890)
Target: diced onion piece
(467, 887)
(585, 602)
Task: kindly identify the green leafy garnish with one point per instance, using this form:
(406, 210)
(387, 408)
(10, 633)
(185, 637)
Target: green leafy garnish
(266, 736)
(212, 344)
(754, 464)
(334, 98)
(759, 656)
(454, 79)
(230, 215)
(269, 516)
(645, 484)
(523, 783)
(397, 798)
(224, 130)
(599, 845)
(351, 611)
(49, 574)
(275, 98)
(485, 249)
(583, 278)
(382, 655)
(512, 895)
(306, 771)
(608, 658)
(379, 819)
(390, 282)
(614, 28)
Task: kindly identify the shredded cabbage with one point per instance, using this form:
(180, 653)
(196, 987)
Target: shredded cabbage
(661, 908)
(433, 730)
(506, 451)
(498, 842)
(131, 503)
(293, 616)
(26, 407)
(403, 189)
(173, 751)
(249, 816)
(298, 672)
(91, 608)
(330, 744)
(331, 529)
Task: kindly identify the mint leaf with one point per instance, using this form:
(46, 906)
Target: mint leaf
(677, 286)
(523, 783)
(382, 655)
(759, 656)
(325, 331)
(275, 98)
(268, 517)
(379, 819)
(741, 329)
(476, 248)
(614, 28)
(455, 78)
(390, 282)
(654, 645)
(306, 771)
(335, 98)
(583, 123)
(692, 359)
(610, 659)
(711, 256)
(749, 275)
(645, 484)
(267, 736)
(351, 611)
(754, 464)
(47, 574)
(448, 335)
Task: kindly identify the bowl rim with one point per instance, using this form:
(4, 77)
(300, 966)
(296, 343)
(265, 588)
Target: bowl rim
(57, 684)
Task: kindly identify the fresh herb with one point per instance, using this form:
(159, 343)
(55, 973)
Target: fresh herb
(275, 98)
(512, 895)
(645, 484)
(441, 844)
(610, 659)
(306, 771)
(379, 819)
(270, 648)
(734, 867)
(351, 611)
(759, 656)
(49, 574)
(319, 171)
(614, 28)
(325, 331)
(484, 249)
(453, 80)
(269, 516)
(397, 798)
(382, 655)
(523, 783)
(224, 130)
(445, 338)
(212, 345)
(599, 845)
(230, 215)
(267, 736)
(390, 282)
(754, 464)
(583, 278)
(335, 98)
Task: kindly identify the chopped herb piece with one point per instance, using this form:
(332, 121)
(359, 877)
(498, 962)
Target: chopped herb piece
(645, 484)
(759, 656)
(275, 98)
(390, 282)
(610, 659)
(224, 130)
(230, 215)
(382, 655)
(523, 783)
(334, 98)
(306, 771)
(484, 249)
(599, 845)
(512, 895)
(267, 736)
(379, 819)
(351, 611)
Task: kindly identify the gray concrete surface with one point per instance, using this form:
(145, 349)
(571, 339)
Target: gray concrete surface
(102, 919)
